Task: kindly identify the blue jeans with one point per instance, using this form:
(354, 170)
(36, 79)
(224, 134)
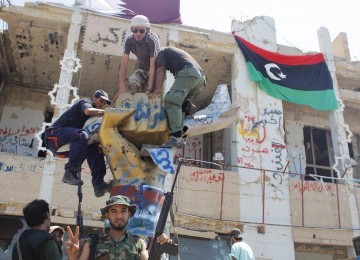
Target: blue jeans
(79, 151)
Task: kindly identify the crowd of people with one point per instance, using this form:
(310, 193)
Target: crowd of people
(43, 241)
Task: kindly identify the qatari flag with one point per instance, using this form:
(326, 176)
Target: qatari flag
(158, 11)
(300, 79)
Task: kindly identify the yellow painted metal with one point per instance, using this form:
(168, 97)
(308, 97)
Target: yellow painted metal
(148, 124)
(124, 130)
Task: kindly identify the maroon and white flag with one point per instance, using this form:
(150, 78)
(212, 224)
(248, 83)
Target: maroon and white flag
(158, 11)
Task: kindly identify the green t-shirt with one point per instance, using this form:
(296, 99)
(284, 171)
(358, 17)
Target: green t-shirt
(50, 250)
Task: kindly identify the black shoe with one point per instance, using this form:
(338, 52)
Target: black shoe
(71, 179)
(102, 188)
(188, 108)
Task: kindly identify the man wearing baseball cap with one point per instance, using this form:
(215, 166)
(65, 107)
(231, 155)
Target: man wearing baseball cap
(68, 129)
(239, 249)
(58, 234)
(145, 45)
(115, 242)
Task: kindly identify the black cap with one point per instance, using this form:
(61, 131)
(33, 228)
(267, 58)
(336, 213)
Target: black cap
(236, 233)
(102, 94)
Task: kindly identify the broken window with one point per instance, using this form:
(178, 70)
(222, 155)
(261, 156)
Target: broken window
(48, 115)
(319, 154)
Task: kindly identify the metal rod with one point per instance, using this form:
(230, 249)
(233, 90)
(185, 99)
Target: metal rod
(338, 204)
(79, 217)
(263, 196)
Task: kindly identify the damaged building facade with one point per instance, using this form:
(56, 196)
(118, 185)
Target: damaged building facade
(287, 176)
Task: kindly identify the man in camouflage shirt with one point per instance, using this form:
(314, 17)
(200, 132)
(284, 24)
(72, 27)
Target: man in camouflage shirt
(114, 242)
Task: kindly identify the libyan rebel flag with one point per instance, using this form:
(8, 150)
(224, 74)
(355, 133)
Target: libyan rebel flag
(304, 79)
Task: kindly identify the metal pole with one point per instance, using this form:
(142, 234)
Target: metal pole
(79, 217)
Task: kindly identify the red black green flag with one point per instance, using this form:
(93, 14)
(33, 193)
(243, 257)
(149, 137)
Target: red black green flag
(304, 79)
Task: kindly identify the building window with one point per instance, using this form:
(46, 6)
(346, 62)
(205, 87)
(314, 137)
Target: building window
(319, 154)
(48, 115)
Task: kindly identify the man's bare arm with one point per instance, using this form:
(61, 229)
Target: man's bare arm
(122, 73)
(85, 253)
(94, 112)
(159, 80)
(144, 254)
(151, 80)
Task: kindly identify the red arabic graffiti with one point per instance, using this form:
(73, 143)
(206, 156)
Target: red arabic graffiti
(312, 186)
(204, 176)
(242, 162)
(24, 131)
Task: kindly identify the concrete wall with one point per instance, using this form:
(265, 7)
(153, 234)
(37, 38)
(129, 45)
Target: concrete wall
(22, 115)
(210, 199)
(20, 179)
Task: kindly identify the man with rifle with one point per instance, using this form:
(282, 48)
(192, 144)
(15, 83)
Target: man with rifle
(156, 249)
(114, 242)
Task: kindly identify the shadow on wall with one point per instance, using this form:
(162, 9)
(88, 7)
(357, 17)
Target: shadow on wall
(9, 236)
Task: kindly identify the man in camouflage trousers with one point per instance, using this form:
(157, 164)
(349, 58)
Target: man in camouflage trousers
(114, 242)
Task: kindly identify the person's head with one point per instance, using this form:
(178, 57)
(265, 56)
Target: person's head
(235, 235)
(36, 213)
(118, 211)
(140, 26)
(100, 98)
(57, 233)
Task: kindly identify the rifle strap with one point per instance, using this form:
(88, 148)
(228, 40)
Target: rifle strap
(93, 246)
(19, 250)
(175, 235)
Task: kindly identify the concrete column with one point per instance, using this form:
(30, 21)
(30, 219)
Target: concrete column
(69, 65)
(338, 133)
(336, 117)
(256, 145)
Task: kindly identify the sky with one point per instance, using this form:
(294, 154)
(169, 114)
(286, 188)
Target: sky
(296, 21)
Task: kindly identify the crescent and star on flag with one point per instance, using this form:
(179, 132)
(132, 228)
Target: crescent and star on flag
(279, 76)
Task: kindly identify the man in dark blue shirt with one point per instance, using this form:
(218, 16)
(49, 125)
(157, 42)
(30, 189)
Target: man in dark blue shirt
(68, 129)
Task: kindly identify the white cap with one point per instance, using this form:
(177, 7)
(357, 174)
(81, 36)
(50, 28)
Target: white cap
(53, 228)
(140, 20)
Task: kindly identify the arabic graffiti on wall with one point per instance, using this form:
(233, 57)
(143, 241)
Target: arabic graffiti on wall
(19, 166)
(103, 35)
(21, 143)
(256, 138)
(17, 131)
(260, 145)
(201, 175)
(312, 186)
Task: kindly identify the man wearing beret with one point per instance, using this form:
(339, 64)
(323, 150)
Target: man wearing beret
(115, 242)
